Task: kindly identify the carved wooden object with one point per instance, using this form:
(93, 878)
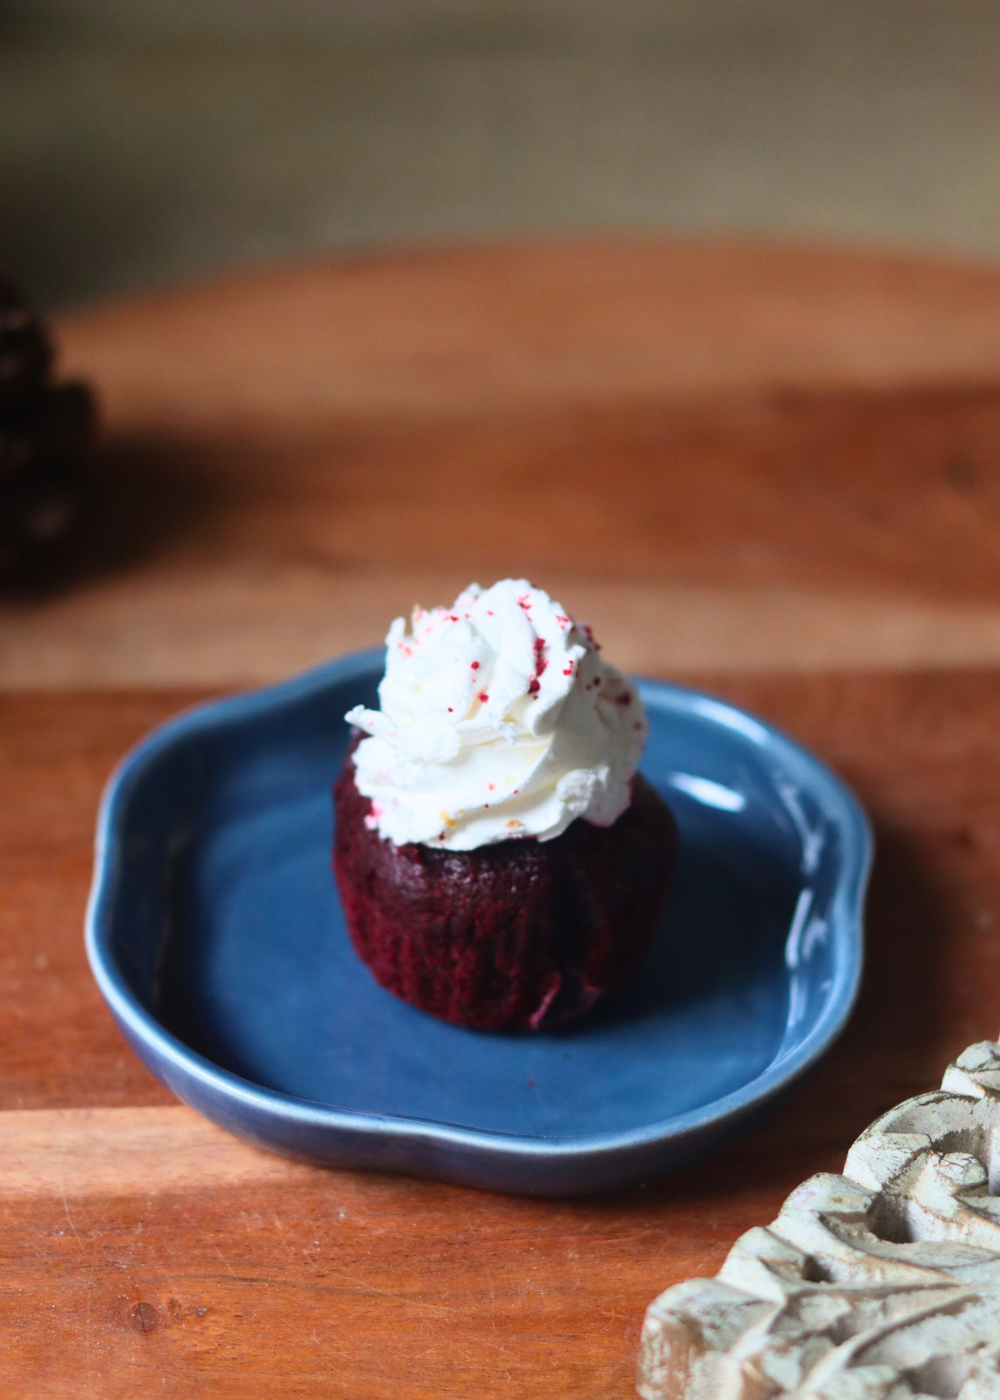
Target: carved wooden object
(880, 1284)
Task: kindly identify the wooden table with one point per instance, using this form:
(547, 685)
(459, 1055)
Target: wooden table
(776, 471)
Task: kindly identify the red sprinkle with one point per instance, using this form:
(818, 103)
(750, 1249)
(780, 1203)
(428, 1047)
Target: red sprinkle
(569, 670)
(540, 662)
(525, 602)
(483, 696)
(563, 621)
(625, 698)
(475, 665)
(534, 686)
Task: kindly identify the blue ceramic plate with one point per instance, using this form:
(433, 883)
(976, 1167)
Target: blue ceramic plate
(215, 933)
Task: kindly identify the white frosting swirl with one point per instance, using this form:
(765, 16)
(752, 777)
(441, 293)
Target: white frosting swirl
(498, 719)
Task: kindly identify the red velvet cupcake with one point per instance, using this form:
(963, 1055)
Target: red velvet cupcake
(500, 863)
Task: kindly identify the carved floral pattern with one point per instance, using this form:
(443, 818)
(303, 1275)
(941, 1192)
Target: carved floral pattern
(880, 1284)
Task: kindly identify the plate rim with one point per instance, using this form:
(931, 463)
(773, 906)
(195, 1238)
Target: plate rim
(142, 1028)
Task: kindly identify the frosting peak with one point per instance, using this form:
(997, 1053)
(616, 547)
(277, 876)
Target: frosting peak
(498, 719)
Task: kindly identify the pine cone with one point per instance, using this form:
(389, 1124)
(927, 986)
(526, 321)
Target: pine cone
(46, 432)
(25, 352)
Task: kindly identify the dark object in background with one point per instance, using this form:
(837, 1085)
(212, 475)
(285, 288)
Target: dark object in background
(46, 433)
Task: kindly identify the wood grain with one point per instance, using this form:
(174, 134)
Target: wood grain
(82, 1152)
(142, 1249)
(726, 455)
(730, 457)
(442, 331)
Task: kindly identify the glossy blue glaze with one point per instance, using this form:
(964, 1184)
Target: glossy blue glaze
(215, 933)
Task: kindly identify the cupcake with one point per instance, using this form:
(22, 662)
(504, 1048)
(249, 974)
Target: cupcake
(501, 864)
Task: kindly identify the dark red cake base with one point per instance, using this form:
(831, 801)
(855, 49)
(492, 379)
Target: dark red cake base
(521, 935)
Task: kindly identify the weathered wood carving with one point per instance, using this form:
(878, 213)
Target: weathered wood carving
(880, 1284)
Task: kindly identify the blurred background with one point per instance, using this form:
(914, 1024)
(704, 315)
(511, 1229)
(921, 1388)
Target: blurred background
(719, 277)
(147, 141)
